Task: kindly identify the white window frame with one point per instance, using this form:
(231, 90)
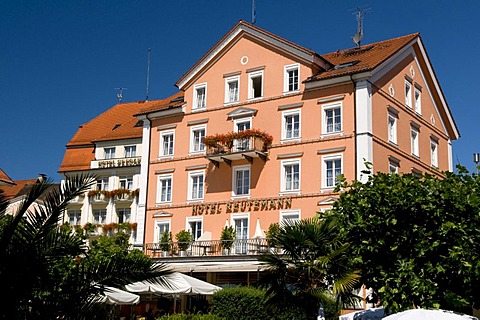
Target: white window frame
(77, 217)
(191, 176)
(392, 120)
(161, 179)
(286, 77)
(102, 216)
(189, 229)
(251, 90)
(393, 167)
(285, 213)
(127, 180)
(192, 139)
(291, 113)
(109, 153)
(103, 183)
(123, 212)
(234, 181)
(328, 107)
(196, 88)
(325, 159)
(283, 174)
(434, 153)
(244, 143)
(162, 149)
(130, 151)
(240, 244)
(418, 100)
(227, 89)
(157, 235)
(408, 93)
(414, 141)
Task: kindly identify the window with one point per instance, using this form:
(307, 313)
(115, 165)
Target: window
(123, 214)
(393, 167)
(195, 227)
(74, 217)
(161, 227)
(408, 93)
(164, 191)
(434, 152)
(197, 135)
(102, 184)
(290, 175)
(99, 216)
(392, 128)
(109, 153)
(332, 118)
(291, 78)
(167, 139)
(255, 89)
(195, 185)
(130, 151)
(332, 168)
(232, 89)
(291, 124)
(418, 100)
(126, 182)
(200, 96)
(414, 140)
(240, 223)
(290, 216)
(242, 125)
(241, 181)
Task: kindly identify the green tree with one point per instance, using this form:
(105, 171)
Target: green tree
(47, 270)
(311, 268)
(416, 239)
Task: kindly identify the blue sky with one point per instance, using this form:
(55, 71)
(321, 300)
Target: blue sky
(60, 61)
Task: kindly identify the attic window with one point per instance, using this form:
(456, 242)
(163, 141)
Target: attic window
(351, 52)
(116, 126)
(178, 99)
(346, 65)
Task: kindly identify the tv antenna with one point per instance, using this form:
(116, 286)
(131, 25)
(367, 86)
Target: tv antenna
(120, 93)
(360, 13)
(148, 74)
(254, 12)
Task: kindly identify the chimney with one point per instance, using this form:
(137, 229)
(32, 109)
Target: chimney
(42, 177)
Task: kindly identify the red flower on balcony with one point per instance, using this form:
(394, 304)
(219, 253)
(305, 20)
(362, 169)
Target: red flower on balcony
(227, 139)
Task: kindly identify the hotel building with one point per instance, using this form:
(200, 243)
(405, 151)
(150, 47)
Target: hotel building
(281, 123)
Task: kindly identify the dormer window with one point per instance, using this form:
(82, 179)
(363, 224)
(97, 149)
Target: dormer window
(109, 153)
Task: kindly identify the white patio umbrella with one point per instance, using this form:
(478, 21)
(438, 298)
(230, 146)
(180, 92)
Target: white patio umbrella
(179, 283)
(258, 230)
(116, 296)
(424, 314)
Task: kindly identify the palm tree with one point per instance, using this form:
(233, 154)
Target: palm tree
(46, 271)
(311, 268)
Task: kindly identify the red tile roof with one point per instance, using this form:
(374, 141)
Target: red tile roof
(363, 58)
(18, 189)
(116, 123)
(4, 178)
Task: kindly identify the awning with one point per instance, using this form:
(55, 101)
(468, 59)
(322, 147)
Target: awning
(116, 296)
(178, 283)
(217, 266)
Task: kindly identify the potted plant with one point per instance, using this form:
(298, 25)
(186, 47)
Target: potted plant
(166, 243)
(183, 238)
(226, 239)
(272, 234)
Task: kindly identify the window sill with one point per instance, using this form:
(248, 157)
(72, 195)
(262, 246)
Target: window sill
(286, 93)
(331, 134)
(194, 201)
(228, 104)
(235, 197)
(196, 153)
(159, 204)
(199, 109)
(288, 192)
(394, 144)
(254, 99)
(416, 156)
(289, 140)
(165, 157)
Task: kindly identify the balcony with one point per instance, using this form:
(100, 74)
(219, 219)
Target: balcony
(207, 248)
(248, 144)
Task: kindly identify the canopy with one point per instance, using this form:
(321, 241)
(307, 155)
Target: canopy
(116, 296)
(424, 314)
(179, 283)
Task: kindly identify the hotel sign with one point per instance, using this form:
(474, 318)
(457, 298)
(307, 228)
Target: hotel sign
(120, 163)
(242, 206)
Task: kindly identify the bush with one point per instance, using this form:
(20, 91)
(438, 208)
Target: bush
(239, 303)
(182, 316)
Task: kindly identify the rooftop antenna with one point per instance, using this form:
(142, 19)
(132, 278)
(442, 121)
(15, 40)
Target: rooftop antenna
(357, 38)
(120, 93)
(148, 74)
(254, 12)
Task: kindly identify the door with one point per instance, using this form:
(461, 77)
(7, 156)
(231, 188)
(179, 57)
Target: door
(241, 229)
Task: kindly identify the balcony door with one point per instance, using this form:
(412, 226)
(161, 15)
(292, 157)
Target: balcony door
(242, 125)
(241, 229)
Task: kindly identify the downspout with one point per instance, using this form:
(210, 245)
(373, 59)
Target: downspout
(147, 178)
(355, 124)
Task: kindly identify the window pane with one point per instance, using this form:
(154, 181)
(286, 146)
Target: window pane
(293, 80)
